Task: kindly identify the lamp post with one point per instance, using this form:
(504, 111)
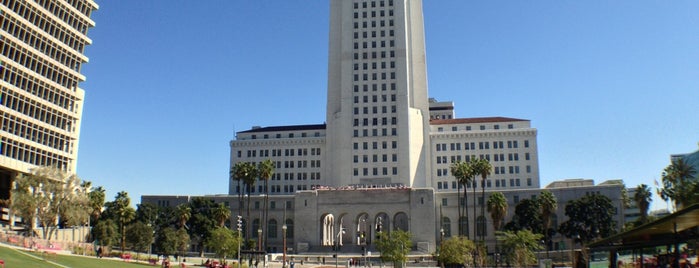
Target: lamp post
(240, 237)
(284, 242)
(339, 243)
(259, 239)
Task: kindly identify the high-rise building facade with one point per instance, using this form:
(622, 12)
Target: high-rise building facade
(377, 93)
(42, 45)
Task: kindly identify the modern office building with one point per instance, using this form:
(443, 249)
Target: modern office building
(42, 45)
(381, 162)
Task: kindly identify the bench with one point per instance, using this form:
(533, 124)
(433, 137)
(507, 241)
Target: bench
(153, 261)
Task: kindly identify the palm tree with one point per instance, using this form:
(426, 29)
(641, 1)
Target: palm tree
(497, 207)
(243, 172)
(464, 176)
(221, 213)
(483, 168)
(249, 182)
(182, 214)
(643, 197)
(548, 205)
(265, 170)
(677, 183)
(125, 213)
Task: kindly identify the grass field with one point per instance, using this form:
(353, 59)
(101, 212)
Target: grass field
(17, 258)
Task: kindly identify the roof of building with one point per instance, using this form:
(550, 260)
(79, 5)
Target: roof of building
(496, 119)
(285, 128)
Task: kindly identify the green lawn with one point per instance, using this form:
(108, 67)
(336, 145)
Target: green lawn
(15, 258)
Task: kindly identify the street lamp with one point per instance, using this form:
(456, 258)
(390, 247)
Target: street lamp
(240, 238)
(259, 239)
(339, 243)
(284, 249)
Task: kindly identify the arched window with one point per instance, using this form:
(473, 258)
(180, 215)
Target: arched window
(272, 228)
(289, 228)
(327, 230)
(255, 226)
(400, 222)
(446, 226)
(480, 226)
(463, 221)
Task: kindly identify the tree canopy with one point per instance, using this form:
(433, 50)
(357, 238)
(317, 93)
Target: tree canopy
(589, 217)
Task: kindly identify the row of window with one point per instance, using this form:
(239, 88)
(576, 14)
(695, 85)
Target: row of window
(278, 152)
(375, 171)
(365, 24)
(497, 158)
(375, 132)
(36, 63)
(32, 155)
(36, 110)
(278, 188)
(300, 164)
(375, 145)
(30, 131)
(515, 182)
(82, 6)
(65, 15)
(375, 110)
(375, 158)
(373, 4)
(37, 87)
(289, 135)
(45, 23)
(34, 39)
(375, 121)
(481, 127)
(483, 145)
(374, 87)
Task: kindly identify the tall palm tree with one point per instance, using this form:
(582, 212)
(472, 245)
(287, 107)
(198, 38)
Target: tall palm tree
(483, 168)
(182, 214)
(243, 172)
(249, 182)
(497, 207)
(548, 205)
(678, 183)
(265, 170)
(221, 213)
(643, 197)
(125, 214)
(464, 176)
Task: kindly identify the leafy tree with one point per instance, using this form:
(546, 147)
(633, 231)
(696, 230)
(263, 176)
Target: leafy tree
(182, 241)
(224, 242)
(41, 194)
(265, 170)
(147, 213)
(120, 211)
(105, 232)
(680, 184)
(483, 168)
(394, 246)
(643, 197)
(527, 217)
(589, 217)
(519, 247)
(464, 176)
(456, 250)
(166, 241)
(139, 236)
(548, 205)
(202, 221)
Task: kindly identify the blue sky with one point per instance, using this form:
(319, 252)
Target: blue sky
(611, 86)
